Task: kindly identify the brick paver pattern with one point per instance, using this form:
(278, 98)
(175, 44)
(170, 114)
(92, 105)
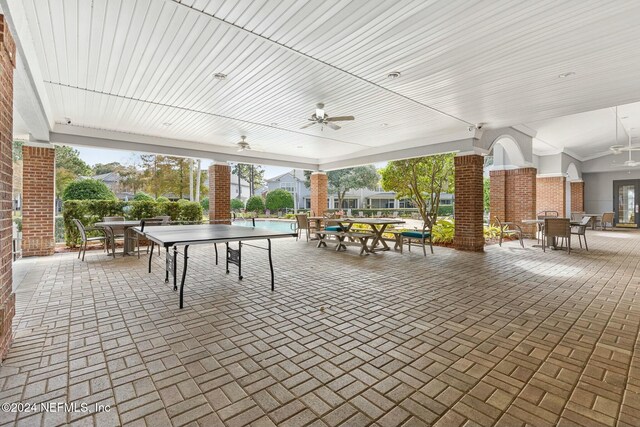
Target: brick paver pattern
(509, 337)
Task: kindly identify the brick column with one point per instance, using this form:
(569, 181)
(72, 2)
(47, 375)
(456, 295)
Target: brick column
(469, 227)
(220, 192)
(577, 196)
(38, 204)
(550, 194)
(7, 297)
(515, 192)
(498, 195)
(319, 193)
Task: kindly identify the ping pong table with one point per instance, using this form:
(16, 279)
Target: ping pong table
(172, 236)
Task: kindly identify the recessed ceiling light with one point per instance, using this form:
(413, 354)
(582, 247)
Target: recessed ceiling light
(274, 124)
(567, 74)
(384, 125)
(167, 124)
(394, 75)
(220, 76)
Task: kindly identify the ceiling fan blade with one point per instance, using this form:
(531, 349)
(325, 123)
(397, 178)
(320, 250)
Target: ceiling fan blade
(340, 118)
(308, 124)
(333, 126)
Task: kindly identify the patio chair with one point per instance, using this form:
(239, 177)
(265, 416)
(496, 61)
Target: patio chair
(557, 228)
(581, 231)
(360, 214)
(303, 223)
(516, 231)
(607, 220)
(576, 216)
(116, 232)
(137, 235)
(83, 235)
(379, 214)
(395, 214)
(547, 214)
(421, 236)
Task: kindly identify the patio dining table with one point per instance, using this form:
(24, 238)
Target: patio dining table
(377, 225)
(114, 228)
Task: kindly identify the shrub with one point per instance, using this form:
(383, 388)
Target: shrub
(142, 196)
(278, 199)
(255, 203)
(87, 189)
(190, 211)
(143, 209)
(162, 199)
(237, 204)
(205, 204)
(443, 231)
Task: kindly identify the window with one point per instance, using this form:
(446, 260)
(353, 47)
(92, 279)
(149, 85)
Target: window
(307, 203)
(346, 203)
(289, 186)
(446, 202)
(405, 203)
(382, 203)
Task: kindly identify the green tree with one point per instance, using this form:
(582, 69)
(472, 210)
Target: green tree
(486, 193)
(17, 150)
(69, 159)
(421, 180)
(237, 204)
(343, 180)
(205, 204)
(63, 179)
(253, 174)
(255, 204)
(102, 168)
(87, 189)
(278, 199)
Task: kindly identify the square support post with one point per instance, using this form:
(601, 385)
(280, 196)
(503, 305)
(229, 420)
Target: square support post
(319, 193)
(220, 193)
(7, 297)
(39, 201)
(469, 209)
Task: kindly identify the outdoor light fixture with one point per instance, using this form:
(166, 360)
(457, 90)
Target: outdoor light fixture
(565, 75)
(394, 75)
(220, 76)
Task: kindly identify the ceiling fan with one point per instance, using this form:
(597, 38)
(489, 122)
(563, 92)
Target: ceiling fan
(630, 148)
(243, 145)
(320, 117)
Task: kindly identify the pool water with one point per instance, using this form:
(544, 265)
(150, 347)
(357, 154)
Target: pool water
(284, 226)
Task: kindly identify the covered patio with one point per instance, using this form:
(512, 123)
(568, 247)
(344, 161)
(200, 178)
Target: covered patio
(473, 335)
(509, 337)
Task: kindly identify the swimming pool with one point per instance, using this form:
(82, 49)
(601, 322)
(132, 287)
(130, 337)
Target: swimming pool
(284, 226)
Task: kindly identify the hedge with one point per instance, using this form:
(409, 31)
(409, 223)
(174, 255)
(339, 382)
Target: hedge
(92, 211)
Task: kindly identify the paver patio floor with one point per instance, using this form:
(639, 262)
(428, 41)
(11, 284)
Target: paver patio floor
(509, 337)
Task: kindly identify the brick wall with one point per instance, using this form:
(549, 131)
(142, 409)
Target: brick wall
(7, 297)
(513, 196)
(469, 209)
(550, 194)
(219, 193)
(577, 196)
(319, 193)
(38, 206)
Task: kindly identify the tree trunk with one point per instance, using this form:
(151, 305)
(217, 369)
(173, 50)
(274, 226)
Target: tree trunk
(191, 180)
(199, 174)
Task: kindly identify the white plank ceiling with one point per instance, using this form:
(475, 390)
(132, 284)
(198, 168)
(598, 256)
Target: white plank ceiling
(146, 67)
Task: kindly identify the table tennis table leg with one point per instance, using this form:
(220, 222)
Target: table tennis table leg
(271, 265)
(151, 255)
(184, 274)
(175, 269)
(215, 245)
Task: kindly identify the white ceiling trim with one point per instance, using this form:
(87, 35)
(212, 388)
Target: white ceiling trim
(97, 138)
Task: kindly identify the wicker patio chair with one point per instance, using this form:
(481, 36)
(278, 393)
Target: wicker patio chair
(557, 228)
(607, 220)
(581, 231)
